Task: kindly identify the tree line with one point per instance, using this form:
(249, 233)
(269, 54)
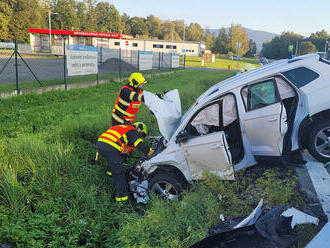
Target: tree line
(278, 48)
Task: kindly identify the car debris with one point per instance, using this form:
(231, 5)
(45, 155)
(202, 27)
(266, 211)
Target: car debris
(272, 229)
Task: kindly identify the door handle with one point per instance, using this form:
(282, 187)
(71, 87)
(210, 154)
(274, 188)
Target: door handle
(272, 119)
(215, 146)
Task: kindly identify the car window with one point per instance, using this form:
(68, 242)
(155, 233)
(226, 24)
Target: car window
(261, 95)
(301, 76)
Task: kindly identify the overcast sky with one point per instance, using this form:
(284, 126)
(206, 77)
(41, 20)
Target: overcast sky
(301, 16)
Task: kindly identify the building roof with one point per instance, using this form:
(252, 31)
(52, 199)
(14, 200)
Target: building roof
(82, 33)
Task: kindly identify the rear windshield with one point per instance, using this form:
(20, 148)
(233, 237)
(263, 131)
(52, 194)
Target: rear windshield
(301, 76)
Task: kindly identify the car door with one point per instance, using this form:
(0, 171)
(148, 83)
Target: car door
(206, 148)
(265, 120)
(211, 153)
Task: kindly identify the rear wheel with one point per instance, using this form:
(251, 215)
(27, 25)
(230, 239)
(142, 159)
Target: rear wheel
(167, 185)
(318, 143)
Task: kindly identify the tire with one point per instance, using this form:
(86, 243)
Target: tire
(318, 141)
(167, 185)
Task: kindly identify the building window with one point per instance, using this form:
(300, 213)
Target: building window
(117, 43)
(158, 46)
(170, 47)
(135, 44)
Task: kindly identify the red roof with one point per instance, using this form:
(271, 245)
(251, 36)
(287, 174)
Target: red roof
(82, 33)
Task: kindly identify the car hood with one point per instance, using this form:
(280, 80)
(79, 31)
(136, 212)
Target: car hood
(166, 110)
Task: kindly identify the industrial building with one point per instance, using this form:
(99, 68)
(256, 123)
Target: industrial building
(40, 41)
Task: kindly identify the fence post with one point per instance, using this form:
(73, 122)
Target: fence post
(184, 61)
(97, 79)
(158, 60)
(119, 64)
(101, 55)
(16, 68)
(138, 62)
(162, 60)
(64, 64)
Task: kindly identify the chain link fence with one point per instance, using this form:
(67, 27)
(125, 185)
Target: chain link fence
(21, 69)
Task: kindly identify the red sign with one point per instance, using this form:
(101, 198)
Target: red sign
(82, 33)
(127, 43)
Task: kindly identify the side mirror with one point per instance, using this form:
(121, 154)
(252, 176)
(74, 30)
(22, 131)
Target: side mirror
(182, 136)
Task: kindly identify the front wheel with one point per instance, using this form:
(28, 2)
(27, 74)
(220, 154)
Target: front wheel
(318, 143)
(167, 185)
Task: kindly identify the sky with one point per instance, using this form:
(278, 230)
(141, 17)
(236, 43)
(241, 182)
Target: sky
(300, 16)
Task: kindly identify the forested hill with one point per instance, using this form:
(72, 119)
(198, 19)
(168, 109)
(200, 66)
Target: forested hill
(259, 37)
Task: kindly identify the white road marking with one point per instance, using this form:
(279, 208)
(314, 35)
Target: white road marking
(321, 181)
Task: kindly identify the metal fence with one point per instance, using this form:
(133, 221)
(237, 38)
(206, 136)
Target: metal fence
(21, 69)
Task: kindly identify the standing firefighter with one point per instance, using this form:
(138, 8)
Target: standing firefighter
(116, 142)
(129, 100)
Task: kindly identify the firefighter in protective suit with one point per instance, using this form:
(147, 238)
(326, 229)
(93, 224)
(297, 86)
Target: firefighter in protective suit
(116, 142)
(129, 100)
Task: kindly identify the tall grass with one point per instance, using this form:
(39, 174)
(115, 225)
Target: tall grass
(47, 149)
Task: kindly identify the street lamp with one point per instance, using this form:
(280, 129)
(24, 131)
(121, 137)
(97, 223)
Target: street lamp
(50, 29)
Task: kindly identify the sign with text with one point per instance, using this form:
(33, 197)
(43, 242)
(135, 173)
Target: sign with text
(145, 61)
(81, 60)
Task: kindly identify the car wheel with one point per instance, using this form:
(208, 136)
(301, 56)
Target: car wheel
(167, 185)
(318, 143)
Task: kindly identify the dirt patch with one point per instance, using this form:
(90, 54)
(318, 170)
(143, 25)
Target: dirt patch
(112, 65)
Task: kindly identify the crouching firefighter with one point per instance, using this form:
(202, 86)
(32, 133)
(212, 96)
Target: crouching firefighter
(129, 100)
(116, 142)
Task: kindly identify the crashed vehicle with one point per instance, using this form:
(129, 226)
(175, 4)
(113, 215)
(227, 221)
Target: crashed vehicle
(267, 114)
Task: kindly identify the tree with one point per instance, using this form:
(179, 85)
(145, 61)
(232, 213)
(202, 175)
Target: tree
(237, 34)
(209, 41)
(81, 10)
(108, 18)
(307, 47)
(138, 26)
(154, 26)
(66, 17)
(252, 49)
(5, 14)
(221, 43)
(126, 23)
(277, 48)
(25, 14)
(168, 31)
(319, 39)
(195, 32)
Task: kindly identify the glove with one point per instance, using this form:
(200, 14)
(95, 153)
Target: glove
(151, 151)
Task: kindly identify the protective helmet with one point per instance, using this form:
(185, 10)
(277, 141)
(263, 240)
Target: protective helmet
(136, 79)
(141, 127)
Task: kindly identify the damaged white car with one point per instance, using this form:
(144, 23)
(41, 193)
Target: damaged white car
(268, 114)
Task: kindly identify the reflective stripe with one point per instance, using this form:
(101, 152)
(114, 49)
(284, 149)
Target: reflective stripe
(125, 138)
(125, 198)
(114, 132)
(109, 136)
(136, 105)
(137, 142)
(131, 119)
(151, 151)
(122, 111)
(123, 102)
(140, 97)
(109, 173)
(117, 118)
(110, 143)
(132, 95)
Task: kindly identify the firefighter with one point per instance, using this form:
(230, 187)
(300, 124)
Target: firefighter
(129, 100)
(114, 144)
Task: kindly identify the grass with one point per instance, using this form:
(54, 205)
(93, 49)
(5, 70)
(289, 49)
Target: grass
(221, 63)
(53, 194)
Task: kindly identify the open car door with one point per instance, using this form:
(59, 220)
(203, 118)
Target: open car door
(211, 153)
(265, 120)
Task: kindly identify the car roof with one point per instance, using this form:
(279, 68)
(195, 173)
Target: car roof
(261, 72)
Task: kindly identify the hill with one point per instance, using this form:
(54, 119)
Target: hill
(258, 36)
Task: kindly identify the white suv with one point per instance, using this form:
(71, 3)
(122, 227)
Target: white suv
(268, 114)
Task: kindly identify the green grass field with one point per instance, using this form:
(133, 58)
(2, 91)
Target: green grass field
(221, 63)
(53, 194)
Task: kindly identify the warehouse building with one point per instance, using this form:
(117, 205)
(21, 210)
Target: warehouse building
(40, 41)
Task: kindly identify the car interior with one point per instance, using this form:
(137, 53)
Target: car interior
(220, 115)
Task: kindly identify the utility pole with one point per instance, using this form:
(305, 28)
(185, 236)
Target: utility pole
(326, 44)
(297, 45)
(50, 29)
